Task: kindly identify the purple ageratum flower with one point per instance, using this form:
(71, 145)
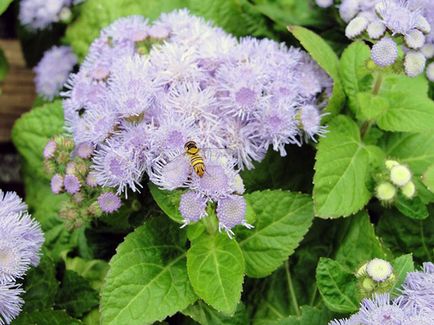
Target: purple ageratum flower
(56, 184)
(39, 14)
(417, 291)
(192, 207)
(72, 184)
(324, 3)
(380, 310)
(171, 170)
(53, 70)
(10, 202)
(310, 120)
(91, 180)
(11, 302)
(277, 126)
(116, 165)
(109, 202)
(127, 29)
(384, 52)
(50, 149)
(231, 211)
(397, 16)
(349, 9)
(84, 150)
(311, 78)
(131, 88)
(14, 257)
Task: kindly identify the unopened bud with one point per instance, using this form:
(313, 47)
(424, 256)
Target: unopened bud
(385, 192)
(379, 270)
(391, 163)
(400, 175)
(408, 190)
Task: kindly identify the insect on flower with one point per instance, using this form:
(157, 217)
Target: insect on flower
(196, 159)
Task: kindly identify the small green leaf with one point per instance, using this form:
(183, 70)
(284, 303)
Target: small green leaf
(206, 315)
(215, 266)
(147, 280)
(76, 295)
(46, 317)
(356, 77)
(337, 285)
(341, 171)
(4, 65)
(401, 266)
(413, 208)
(360, 243)
(414, 149)
(323, 54)
(4, 4)
(428, 178)
(283, 218)
(168, 201)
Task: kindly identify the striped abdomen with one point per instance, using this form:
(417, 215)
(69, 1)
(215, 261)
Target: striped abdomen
(196, 159)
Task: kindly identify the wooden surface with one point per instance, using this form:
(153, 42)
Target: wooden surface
(18, 92)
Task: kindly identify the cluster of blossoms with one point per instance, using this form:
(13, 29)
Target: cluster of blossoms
(414, 306)
(53, 70)
(69, 169)
(393, 27)
(375, 276)
(395, 177)
(21, 239)
(145, 90)
(40, 14)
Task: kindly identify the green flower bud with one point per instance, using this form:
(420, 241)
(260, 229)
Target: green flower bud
(385, 192)
(408, 190)
(400, 175)
(391, 163)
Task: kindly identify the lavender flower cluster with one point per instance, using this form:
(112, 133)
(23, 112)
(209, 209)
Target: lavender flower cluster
(21, 239)
(69, 169)
(40, 14)
(53, 70)
(145, 90)
(393, 26)
(414, 306)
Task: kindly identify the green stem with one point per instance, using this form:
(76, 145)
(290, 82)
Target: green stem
(312, 300)
(377, 84)
(291, 290)
(209, 224)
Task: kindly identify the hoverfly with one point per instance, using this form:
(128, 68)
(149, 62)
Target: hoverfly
(196, 159)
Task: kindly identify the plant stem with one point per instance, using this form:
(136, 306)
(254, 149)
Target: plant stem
(291, 290)
(312, 300)
(209, 224)
(377, 84)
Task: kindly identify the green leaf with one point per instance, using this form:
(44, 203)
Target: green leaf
(40, 285)
(401, 266)
(360, 243)
(370, 107)
(283, 218)
(341, 171)
(309, 315)
(215, 267)
(413, 208)
(76, 295)
(4, 65)
(45, 317)
(168, 201)
(337, 285)
(96, 14)
(93, 271)
(414, 149)
(404, 235)
(4, 4)
(32, 131)
(147, 280)
(355, 75)
(92, 318)
(428, 178)
(323, 54)
(206, 315)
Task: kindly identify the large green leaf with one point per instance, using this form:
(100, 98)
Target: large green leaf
(414, 149)
(327, 59)
(147, 280)
(33, 130)
(168, 201)
(215, 267)
(282, 220)
(45, 317)
(4, 4)
(359, 244)
(92, 270)
(428, 178)
(401, 266)
(404, 235)
(309, 315)
(354, 73)
(40, 285)
(206, 315)
(337, 285)
(341, 171)
(75, 295)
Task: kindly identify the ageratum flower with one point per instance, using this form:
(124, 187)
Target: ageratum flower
(53, 70)
(39, 14)
(10, 302)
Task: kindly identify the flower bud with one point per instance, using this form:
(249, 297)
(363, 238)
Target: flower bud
(400, 175)
(408, 190)
(94, 209)
(385, 192)
(391, 163)
(379, 270)
(49, 167)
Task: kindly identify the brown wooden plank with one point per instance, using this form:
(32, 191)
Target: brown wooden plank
(18, 91)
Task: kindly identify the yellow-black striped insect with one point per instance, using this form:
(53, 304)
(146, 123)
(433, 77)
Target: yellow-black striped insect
(196, 159)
